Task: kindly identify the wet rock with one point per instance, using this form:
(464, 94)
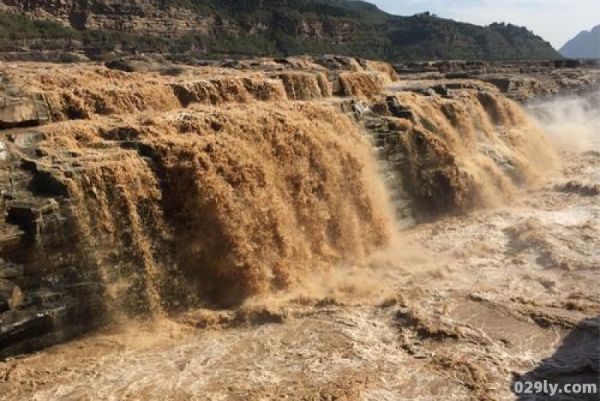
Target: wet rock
(29, 215)
(422, 91)
(398, 110)
(519, 87)
(27, 139)
(22, 111)
(440, 90)
(575, 362)
(120, 65)
(580, 188)
(19, 326)
(50, 316)
(10, 237)
(460, 75)
(3, 152)
(46, 183)
(125, 133)
(360, 108)
(503, 83)
(337, 62)
(126, 65)
(10, 270)
(10, 295)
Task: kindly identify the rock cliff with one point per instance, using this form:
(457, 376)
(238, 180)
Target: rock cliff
(208, 28)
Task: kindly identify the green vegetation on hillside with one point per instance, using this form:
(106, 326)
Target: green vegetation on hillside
(17, 27)
(298, 27)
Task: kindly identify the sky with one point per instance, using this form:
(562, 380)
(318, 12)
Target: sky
(557, 21)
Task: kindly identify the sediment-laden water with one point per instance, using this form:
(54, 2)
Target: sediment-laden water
(248, 247)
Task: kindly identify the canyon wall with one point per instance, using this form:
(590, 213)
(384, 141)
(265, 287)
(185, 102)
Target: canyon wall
(140, 16)
(200, 29)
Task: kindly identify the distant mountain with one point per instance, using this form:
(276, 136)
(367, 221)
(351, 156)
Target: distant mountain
(585, 45)
(223, 28)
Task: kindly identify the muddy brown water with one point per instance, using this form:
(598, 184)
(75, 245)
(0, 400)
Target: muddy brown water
(458, 308)
(455, 309)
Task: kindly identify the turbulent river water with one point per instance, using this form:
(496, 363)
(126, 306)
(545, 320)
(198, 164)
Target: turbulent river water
(474, 293)
(458, 308)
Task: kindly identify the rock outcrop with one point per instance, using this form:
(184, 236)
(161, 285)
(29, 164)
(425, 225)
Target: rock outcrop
(21, 111)
(201, 29)
(44, 297)
(139, 16)
(519, 80)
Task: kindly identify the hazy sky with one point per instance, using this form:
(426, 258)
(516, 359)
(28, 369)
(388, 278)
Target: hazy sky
(555, 20)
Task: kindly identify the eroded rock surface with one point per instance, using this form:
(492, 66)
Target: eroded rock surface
(521, 81)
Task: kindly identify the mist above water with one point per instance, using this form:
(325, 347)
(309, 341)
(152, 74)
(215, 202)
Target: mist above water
(572, 122)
